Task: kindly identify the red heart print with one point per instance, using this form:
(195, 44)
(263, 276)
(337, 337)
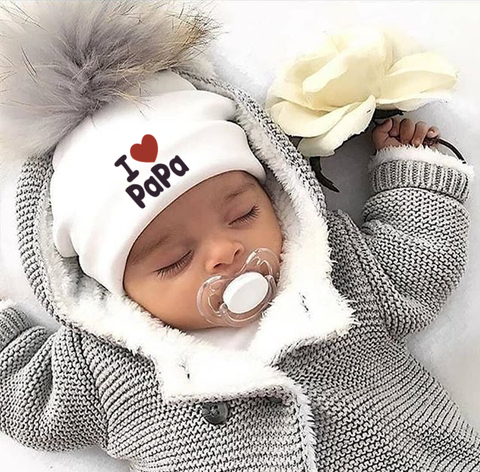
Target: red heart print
(147, 151)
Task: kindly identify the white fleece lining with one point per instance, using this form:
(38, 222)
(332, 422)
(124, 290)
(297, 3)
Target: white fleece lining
(184, 363)
(6, 303)
(421, 153)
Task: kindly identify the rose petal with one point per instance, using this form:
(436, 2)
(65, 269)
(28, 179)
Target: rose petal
(294, 93)
(271, 100)
(351, 77)
(412, 101)
(308, 64)
(287, 91)
(398, 46)
(427, 61)
(299, 121)
(338, 76)
(320, 78)
(291, 74)
(417, 73)
(354, 122)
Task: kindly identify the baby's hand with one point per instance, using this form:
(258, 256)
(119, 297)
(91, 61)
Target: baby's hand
(392, 132)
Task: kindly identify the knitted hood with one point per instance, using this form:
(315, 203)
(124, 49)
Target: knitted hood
(307, 308)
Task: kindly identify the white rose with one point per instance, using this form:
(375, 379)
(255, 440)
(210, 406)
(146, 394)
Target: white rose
(331, 94)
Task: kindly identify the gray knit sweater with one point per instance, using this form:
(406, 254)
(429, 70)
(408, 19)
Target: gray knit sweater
(327, 383)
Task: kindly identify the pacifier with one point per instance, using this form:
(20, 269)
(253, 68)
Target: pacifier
(237, 301)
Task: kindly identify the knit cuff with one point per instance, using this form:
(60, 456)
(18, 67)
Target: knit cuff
(408, 166)
(421, 153)
(12, 322)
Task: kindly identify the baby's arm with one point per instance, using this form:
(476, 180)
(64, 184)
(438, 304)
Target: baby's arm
(47, 397)
(415, 224)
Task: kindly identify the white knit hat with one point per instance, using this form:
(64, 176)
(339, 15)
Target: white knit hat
(120, 167)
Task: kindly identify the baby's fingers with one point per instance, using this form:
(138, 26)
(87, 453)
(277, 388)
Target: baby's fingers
(421, 129)
(432, 135)
(407, 128)
(395, 131)
(433, 132)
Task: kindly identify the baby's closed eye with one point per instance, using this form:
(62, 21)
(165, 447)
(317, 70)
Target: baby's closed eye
(177, 266)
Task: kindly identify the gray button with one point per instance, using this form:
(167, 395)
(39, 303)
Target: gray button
(215, 412)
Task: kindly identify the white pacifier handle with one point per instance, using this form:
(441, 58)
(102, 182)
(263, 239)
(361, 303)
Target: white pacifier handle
(245, 292)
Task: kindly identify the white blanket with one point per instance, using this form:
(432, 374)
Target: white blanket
(257, 37)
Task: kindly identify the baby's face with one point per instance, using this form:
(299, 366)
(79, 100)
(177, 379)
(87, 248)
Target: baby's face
(207, 234)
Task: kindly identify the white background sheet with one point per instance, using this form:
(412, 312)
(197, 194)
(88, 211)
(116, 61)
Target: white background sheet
(257, 37)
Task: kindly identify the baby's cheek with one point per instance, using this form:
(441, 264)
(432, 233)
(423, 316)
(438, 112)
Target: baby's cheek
(183, 301)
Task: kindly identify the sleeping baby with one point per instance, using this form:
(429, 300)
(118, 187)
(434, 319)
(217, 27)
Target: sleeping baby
(213, 314)
(162, 272)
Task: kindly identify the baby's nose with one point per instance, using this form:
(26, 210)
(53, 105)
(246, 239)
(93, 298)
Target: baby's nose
(226, 258)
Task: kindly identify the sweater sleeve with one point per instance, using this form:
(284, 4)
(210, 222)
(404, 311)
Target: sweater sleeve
(416, 228)
(47, 398)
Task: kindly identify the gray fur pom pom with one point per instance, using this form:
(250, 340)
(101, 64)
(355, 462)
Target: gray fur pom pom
(61, 60)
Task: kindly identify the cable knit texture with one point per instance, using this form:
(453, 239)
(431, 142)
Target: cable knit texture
(373, 406)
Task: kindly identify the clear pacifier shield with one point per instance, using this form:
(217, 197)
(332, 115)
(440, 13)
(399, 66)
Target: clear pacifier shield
(239, 300)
